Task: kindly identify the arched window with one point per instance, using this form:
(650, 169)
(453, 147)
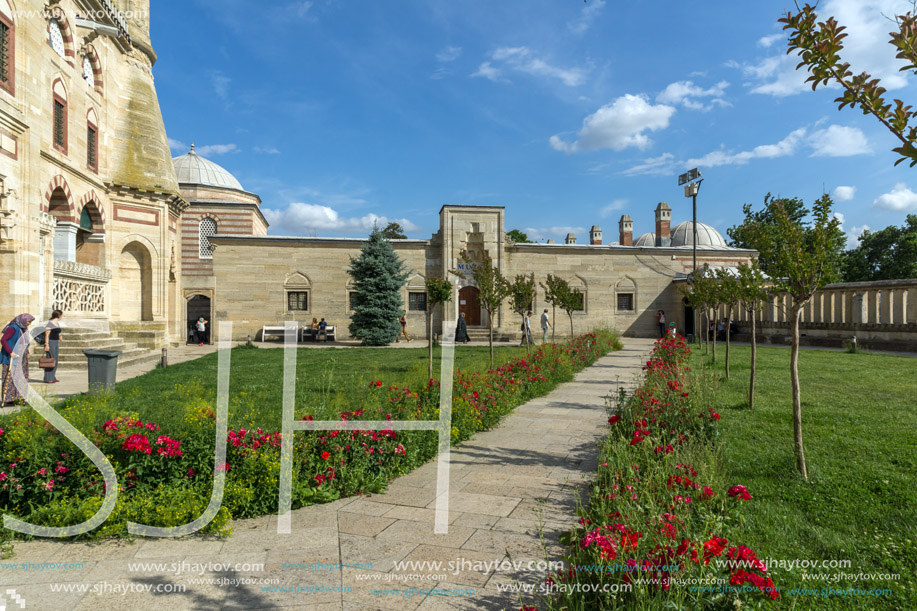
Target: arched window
(92, 141)
(208, 229)
(56, 38)
(297, 287)
(7, 49)
(626, 296)
(59, 116)
(88, 73)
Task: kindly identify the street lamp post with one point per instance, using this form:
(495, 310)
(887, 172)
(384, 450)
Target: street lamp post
(691, 180)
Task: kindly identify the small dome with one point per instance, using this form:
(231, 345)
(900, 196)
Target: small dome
(192, 169)
(647, 239)
(683, 235)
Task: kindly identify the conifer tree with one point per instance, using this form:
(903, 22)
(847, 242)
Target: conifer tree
(378, 277)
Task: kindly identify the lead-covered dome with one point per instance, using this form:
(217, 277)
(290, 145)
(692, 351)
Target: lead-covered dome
(647, 239)
(683, 235)
(192, 169)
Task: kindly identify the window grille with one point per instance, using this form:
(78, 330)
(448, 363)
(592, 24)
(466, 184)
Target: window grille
(55, 38)
(4, 53)
(417, 301)
(297, 300)
(60, 118)
(208, 229)
(625, 302)
(91, 147)
(88, 74)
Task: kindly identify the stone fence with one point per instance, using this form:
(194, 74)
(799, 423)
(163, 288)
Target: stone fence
(79, 289)
(881, 315)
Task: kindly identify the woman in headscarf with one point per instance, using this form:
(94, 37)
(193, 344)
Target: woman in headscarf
(8, 351)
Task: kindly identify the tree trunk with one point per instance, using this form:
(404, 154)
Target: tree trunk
(706, 330)
(490, 326)
(754, 355)
(797, 394)
(715, 324)
(553, 321)
(430, 340)
(570, 314)
(728, 322)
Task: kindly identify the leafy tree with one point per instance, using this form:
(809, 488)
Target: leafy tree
(571, 300)
(729, 297)
(887, 254)
(394, 231)
(554, 289)
(799, 255)
(493, 287)
(439, 291)
(753, 295)
(819, 44)
(521, 297)
(699, 291)
(764, 221)
(514, 235)
(378, 277)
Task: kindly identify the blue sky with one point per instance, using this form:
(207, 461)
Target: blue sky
(567, 113)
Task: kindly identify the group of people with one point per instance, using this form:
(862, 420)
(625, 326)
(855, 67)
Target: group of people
(318, 328)
(15, 350)
(719, 327)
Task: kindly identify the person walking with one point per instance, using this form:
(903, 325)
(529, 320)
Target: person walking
(461, 330)
(527, 329)
(545, 326)
(200, 328)
(52, 345)
(404, 329)
(660, 320)
(9, 356)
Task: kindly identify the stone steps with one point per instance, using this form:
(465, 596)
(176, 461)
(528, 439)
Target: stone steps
(74, 341)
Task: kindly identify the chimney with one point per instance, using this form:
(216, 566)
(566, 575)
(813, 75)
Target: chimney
(571, 239)
(663, 224)
(595, 235)
(626, 230)
(550, 241)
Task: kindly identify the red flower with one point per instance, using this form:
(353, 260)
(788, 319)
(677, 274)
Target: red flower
(708, 493)
(614, 419)
(739, 492)
(326, 455)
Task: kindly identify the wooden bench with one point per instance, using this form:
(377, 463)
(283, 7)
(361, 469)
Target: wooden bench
(275, 331)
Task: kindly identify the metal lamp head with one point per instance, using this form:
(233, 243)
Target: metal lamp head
(692, 189)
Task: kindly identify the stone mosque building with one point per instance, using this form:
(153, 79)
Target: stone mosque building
(98, 220)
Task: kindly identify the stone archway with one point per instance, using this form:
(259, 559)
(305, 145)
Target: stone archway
(197, 306)
(136, 283)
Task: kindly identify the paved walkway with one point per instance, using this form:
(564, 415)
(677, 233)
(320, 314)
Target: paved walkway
(506, 486)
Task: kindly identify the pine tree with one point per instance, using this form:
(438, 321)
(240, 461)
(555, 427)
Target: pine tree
(378, 277)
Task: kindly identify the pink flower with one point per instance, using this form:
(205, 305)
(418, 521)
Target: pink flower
(3, 476)
(739, 492)
(708, 493)
(50, 485)
(42, 471)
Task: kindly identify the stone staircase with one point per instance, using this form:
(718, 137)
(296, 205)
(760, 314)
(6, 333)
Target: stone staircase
(140, 348)
(482, 335)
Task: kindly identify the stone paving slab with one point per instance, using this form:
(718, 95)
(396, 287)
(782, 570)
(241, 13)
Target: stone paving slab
(508, 487)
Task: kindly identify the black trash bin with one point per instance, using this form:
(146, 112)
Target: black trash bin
(103, 367)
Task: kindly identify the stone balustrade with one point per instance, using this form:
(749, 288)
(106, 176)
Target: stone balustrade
(79, 289)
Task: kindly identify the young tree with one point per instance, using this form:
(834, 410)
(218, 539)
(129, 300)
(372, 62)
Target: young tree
(521, 297)
(554, 289)
(439, 291)
(394, 231)
(378, 277)
(571, 300)
(800, 256)
(699, 291)
(729, 297)
(819, 45)
(493, 287)
(753, 294)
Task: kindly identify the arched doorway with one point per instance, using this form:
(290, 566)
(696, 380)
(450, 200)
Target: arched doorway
(470, 306)
(88, 244)
(689, 319)
(136, 283)
(198, 305)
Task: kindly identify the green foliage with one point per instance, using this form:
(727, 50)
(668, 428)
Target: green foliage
(522, 294)
(752, 286)
(439, 290)
(394, 231)
(493, 286)
(378, 277)
(886, 254)
(514, 235)
(819, 44)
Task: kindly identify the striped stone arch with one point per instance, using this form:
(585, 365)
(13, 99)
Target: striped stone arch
(96, 211)
(66, 32)
(90, 52)
(58, 182)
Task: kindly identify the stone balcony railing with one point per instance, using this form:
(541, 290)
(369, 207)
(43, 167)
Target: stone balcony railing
(79, 289)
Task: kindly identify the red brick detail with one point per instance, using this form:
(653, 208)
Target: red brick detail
(58, 182)
(121, 208)
(96, 212)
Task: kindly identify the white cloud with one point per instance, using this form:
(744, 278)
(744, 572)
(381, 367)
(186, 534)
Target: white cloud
(785, 147)
(303, 8)
(853, 236)
(220, 83)
(866, 48)
(449, 54)
(486, 70)
(618, 125)
(558, 234)
(767, 41)
(839, 141)
(522, 59)
(841, 218)
(844, 193)
(899, 199)
(216, 149)
(267, 150)
(664, 164)
(687, 93)
(305, 219)
(614, 206)
(589, 13)
(177, 145)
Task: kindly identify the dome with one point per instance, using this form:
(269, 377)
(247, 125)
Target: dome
(683, 235)
(647, 239)
(192, 169)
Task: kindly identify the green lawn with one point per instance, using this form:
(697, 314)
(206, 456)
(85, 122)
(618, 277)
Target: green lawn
(859, 416)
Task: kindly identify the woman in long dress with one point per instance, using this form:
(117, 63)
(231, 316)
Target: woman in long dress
(461, 330)
(8, 340)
